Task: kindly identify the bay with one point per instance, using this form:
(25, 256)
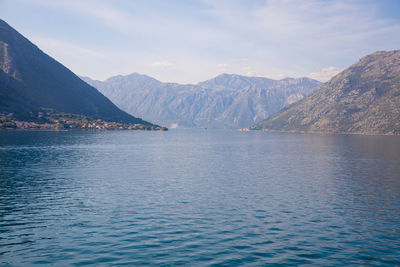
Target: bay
(198, 197)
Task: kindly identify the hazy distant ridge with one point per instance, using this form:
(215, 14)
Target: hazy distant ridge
(226, 101)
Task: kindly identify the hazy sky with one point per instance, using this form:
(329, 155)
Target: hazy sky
(188, 41)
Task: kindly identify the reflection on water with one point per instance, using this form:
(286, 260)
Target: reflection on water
(198, 197)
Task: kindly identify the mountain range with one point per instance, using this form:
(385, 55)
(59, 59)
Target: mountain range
(31, 81)
(365, 99)
(226, 101)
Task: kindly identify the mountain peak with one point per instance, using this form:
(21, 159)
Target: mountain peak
(226, 101)
(4, 24)
(227, 81)
(364, 98)
(134, 77)
(31, 80)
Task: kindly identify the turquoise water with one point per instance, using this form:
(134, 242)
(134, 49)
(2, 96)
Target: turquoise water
(198, 197)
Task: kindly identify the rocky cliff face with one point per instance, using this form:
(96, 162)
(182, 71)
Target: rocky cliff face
(30, 80)
(365, 98)
(226, 101)
(6, 61)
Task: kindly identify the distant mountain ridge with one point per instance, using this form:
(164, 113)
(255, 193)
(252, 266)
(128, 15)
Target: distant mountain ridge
(365, 98)
(31, 80)
(226, 101)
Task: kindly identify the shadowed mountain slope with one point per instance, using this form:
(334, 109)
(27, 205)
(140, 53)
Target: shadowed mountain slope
(31, 80)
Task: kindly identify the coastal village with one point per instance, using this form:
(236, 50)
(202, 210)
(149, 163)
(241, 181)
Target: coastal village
(52, 120)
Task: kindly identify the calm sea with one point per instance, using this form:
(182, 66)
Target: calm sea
(198, 197)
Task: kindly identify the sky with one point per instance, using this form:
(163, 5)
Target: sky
(188, 41)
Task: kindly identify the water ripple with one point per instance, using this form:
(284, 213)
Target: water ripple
(218, 198)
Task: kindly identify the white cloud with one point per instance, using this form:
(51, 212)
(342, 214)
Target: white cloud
(269, 38)
(222, 67)
(249, 72)
(325, 74)
(310, 26)
(161, 64)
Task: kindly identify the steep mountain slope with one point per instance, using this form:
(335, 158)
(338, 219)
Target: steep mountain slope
(31, 80)
(365, 98)
(226, 101)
